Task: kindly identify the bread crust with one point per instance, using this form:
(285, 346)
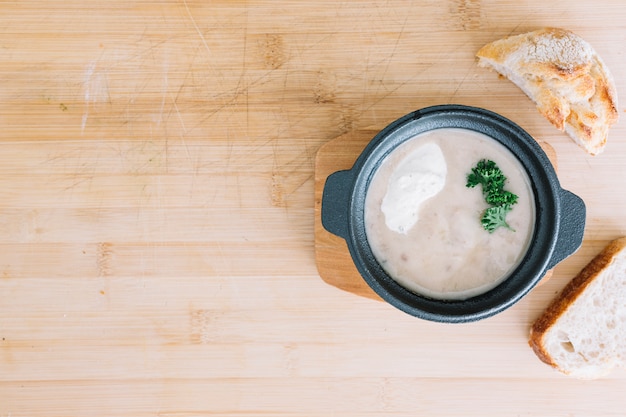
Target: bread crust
(574, 289)
(564, 76)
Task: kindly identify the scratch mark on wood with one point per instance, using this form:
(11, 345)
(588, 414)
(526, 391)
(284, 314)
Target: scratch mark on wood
(87, 87)
(395, 46)
(243, 74)
(460, 84)
(164, 90)
(195, 25)
(95, 86)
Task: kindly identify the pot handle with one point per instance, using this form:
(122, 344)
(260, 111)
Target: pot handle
(572, 227)
(335, 203)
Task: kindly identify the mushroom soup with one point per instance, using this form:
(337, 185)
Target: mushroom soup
(423, 223)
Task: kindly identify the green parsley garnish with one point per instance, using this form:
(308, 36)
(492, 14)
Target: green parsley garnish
(487, 174)
(495, 217)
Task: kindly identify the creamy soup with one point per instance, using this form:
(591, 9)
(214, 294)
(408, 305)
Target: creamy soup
(424, 225)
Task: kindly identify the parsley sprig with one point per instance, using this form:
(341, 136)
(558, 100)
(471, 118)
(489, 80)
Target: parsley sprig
(490, 177)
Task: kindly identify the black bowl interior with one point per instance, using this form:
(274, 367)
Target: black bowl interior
(544, 184)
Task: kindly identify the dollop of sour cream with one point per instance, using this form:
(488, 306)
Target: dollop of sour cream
(419, 176)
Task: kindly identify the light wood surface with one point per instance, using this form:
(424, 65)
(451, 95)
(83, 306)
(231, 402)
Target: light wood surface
(157, 208)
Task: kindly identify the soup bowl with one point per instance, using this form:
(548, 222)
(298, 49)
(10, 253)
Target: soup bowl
(559, 215)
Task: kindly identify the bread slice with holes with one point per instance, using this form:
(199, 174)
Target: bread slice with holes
(564, 76)
(582, 333)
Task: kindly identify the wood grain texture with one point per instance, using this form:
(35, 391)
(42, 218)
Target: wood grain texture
(157, 219)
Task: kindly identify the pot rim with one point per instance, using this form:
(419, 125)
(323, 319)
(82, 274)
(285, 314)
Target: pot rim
(544, 185)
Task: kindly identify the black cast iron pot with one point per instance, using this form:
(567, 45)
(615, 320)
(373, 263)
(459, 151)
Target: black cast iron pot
(559, 214)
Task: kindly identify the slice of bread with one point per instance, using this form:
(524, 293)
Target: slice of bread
(564, 76)
(582, 333)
